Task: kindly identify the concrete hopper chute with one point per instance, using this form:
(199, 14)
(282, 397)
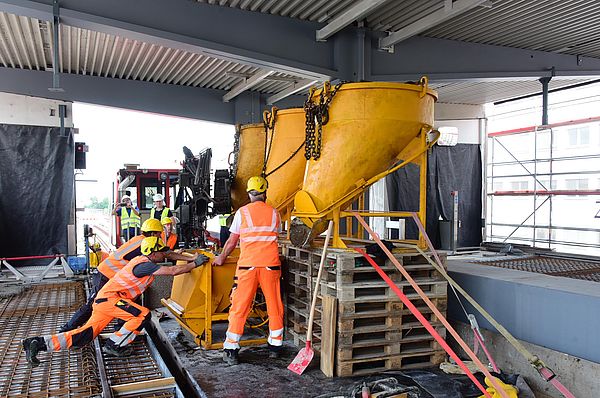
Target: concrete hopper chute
(357, 133)
(249, 155)
(284, 161)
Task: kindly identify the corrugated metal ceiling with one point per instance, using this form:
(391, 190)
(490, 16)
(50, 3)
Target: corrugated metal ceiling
(486, 92)
(26, 43)
(547, 25)
(570, 27)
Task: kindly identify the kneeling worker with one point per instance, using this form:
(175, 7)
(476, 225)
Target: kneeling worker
(256, 227)
(115, 300)
(113, 264)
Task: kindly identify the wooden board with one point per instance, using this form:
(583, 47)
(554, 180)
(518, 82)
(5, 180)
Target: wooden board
(329, 332)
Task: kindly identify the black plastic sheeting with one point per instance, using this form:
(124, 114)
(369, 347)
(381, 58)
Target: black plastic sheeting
(456, 168)
(36, 186)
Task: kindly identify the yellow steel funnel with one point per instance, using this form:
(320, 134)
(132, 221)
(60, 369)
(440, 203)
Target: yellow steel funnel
(285, 162)
(201, 297)
(366, 128)
(249, 153)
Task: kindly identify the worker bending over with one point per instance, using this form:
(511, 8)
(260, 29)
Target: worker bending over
(256, 227)
(168, 235)
(113, 264)
(115, 300)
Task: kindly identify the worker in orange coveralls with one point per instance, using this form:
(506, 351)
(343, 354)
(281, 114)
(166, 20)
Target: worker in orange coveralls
(256, 227)
(168, 235)
(116, 300)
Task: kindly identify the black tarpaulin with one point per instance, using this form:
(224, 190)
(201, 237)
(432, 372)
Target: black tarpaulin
(36, 190)
(456, 168)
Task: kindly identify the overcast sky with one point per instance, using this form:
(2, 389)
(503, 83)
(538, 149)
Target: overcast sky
(116, 136)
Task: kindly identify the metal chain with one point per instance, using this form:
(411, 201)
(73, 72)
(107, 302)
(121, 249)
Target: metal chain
(233, 166)
(317, 115)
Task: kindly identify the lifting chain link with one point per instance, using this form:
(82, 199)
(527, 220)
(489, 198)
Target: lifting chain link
(233, 165)
(269, 124)
(317, 115)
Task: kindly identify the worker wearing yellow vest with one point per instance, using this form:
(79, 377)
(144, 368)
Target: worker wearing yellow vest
(168, 235)
(115, 300)
(113, 264)
(160, 211)
(224, 232)
(129, 216)
(97, 255)
(256, 227)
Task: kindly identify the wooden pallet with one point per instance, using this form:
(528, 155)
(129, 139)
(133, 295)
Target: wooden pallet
(365, 366)
(374, 331)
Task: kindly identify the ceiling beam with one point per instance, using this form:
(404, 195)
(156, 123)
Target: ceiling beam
(352, 14)
(261, 40)
(450, 9)
(246, 84)
(293, 89)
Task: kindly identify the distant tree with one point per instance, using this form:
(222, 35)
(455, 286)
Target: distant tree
(97, 204)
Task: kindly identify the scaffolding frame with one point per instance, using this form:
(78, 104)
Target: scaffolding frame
(540, 196)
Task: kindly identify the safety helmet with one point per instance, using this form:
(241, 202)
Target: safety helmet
(166, 220)
(152, 225)
(258, 184)
(153, 244)
(158, 197)
(125, 197)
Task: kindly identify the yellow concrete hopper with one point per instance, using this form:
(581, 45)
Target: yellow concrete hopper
(200, 298)
(368, 130)
(249, 153)
(285, 158)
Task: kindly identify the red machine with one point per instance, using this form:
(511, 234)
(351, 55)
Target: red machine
(141, 185)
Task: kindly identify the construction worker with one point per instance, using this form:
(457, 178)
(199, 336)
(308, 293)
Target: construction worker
(160, 211)
(256, 227)
(224, 231)
(113, 264)
(168, 235)
(115, 300)
(97, 255)
(130, 218)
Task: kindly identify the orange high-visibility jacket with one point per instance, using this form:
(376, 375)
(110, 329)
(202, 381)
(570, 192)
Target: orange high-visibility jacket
(258, 236)
(171, 241)
(125, 284)
(116, 261)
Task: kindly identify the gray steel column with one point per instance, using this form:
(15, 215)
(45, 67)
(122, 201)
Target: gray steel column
(545, 81)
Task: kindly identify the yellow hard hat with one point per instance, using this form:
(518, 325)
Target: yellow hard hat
(152, 244)
(258, 184)
(152, 225)
(166, 220)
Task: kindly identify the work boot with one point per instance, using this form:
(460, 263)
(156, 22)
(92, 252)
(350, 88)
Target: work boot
(230, 356)
(32, 346)
(274, 351)
(113, 350)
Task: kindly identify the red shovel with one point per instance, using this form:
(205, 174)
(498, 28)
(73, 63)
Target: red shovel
(302, 360)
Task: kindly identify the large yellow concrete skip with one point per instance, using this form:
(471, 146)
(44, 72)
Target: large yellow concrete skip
(371, 129)
(285, 163)
(249, 153)
(201, 297)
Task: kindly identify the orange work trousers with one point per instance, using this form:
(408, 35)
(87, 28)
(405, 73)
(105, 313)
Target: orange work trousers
(104, 310)
(248, 280)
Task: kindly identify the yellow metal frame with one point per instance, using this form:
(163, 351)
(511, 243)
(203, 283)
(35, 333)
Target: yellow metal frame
(416, 154)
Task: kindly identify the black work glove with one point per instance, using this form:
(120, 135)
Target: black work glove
(200, 260)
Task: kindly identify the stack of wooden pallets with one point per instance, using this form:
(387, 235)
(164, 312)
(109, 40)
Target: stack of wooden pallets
(368, 329)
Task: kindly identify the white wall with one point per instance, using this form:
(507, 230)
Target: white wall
(32, 111)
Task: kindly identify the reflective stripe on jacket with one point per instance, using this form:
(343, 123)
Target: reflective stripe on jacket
(258, 236)
(116, 260)
(164, 213)
(130, 220)
(125, 284)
